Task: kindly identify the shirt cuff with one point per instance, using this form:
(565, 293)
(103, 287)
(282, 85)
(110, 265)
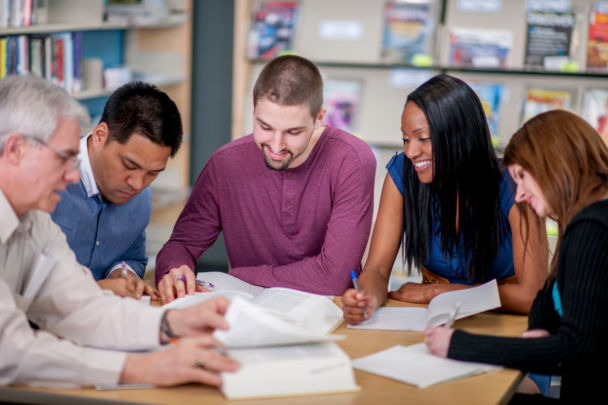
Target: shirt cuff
(119, 266)
(105, 367)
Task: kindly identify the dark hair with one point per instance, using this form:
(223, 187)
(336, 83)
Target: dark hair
(466, 175)
(568, 160)
(290, 80)
(141, 108)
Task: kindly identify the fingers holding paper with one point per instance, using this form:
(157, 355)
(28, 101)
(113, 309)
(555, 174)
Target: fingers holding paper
(200, 319)
(190, 360)
(172, 286)
(438, 340)
(354, 303)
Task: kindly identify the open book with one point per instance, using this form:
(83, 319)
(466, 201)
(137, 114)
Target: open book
(472, 301)
(416, 365)
(283, 353)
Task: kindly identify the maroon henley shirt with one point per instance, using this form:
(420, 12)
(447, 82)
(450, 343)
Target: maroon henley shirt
(303, 228)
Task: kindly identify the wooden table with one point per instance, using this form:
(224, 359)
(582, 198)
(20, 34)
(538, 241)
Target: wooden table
(490, 388)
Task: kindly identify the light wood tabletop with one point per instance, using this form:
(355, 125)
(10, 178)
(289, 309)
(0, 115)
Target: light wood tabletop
(491, 388)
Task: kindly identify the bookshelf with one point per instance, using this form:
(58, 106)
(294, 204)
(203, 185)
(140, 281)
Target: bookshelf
(163, 48)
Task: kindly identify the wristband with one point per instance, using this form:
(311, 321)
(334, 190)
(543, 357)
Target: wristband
(164, 326)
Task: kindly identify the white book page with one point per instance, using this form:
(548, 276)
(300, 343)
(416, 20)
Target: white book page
(251, 326)
(472, 301)
(197, 298)
(264, 355)
(407, 319)
(314, 312)
(226, 282)
(415, 365)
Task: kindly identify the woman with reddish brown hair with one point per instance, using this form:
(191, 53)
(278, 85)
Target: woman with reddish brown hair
(560, 166)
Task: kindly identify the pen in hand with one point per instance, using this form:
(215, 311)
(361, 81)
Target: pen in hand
(356, 284)
(452, 316)
(197, 282)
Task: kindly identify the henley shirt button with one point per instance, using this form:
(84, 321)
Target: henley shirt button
(287, 216)
(289, 176)
(97, 243)
(288, 203)
(288, 189)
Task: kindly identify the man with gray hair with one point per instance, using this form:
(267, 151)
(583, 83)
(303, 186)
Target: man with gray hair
(82, 328)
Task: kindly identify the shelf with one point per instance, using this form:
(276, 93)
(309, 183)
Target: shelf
(446, 69)
(89, 94)
(166, 198)
(172, 21)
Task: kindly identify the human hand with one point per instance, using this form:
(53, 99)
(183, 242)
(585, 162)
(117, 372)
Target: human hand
(353, 303)
(171, 287)
(199, 319)
(191, 360)
(414, 293)
(132, 287)
(438, 340)
(534, 333)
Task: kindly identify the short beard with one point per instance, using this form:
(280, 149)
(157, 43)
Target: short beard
(273, 164)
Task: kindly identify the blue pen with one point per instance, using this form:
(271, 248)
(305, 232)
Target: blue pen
(356, 284)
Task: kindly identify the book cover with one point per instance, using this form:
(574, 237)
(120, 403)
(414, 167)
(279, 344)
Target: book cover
(548, 35)
(480, 48)
(491, 97)
(595, 110)
(407, 32)
(341, 99)
(597, 45)
(272, 29)
(539, 101)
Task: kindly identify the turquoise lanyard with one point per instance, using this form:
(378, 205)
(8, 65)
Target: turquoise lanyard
(557, 301)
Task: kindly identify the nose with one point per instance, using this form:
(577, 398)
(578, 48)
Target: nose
(72, 176)
(411, 149)
(520, 194)
(135, 182)
(277, 143)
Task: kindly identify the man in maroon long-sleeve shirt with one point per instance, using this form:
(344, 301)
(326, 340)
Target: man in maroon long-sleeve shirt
(294, 199)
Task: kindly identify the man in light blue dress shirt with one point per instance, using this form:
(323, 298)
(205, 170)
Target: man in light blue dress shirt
(104, 216)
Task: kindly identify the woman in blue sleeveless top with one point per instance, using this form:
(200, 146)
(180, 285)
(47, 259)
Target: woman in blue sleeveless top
(446, 201)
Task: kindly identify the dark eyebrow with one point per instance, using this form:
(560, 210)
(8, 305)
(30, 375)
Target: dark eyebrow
(289, 129)
(414, 131)
(134, 163)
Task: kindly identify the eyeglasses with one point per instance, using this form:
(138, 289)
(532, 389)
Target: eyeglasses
(74, 159)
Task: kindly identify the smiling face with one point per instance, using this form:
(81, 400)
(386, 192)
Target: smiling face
(124, 170)
(417, 141)
(284, 133)
(529, 191)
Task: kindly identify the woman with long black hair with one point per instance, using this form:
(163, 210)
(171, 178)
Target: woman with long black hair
(446, 201)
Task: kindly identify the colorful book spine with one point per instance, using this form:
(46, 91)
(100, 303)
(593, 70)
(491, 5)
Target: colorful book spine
(5, 13)
(76, 61)
(2, 58)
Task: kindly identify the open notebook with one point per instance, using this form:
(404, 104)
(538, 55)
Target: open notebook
(416, 365)
(472, 301)
(283, 353)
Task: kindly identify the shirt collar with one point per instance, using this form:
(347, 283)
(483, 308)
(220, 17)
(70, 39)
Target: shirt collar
(86, 172)
(9, 222)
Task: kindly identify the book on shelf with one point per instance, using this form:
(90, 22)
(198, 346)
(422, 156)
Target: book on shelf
(408, 31)
(272, 29)
(55, 57)
(480, 48)
(18, 13)
(491, 96)
(597, 45)
(470, 301)
(539, 101)
(595, 110)
(341, 98)
(549, 36)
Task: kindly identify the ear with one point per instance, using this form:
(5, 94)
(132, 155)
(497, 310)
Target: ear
(100, 135)
(320, 117)
(14, 149)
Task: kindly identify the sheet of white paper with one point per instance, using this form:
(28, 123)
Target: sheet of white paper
(41, 268)
(480, 5)
(340, 30)
(251, 326)
(415, 365)
(472, 301)
(226, 282)
(408, 319)
(145, 300)
(197, 298)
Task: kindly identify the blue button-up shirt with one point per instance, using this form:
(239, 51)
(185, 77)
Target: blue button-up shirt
(103, 234)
